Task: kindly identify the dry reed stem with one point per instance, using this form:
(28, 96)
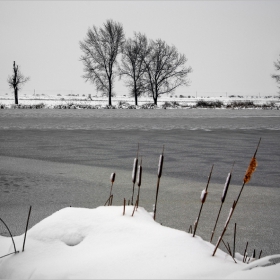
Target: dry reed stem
(15, 250)
(123, 206)
(26, 228)
(136, 204)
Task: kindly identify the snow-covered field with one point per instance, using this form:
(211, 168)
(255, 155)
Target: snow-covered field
(103, 243)
(71, 99)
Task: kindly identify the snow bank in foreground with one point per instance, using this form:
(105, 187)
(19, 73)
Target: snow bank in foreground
(102, 243)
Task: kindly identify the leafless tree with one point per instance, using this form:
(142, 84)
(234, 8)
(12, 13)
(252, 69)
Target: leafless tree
(277, 77)
(134, 52)
(165, 69)
(100, 49)
(16, 81)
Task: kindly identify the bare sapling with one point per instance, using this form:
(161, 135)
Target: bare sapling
(203, 199)
(26, 228)
(139, 180)
(251, 168)
(160, 165)
(134, 174)
(110, 199)
(15, 250)
(222, 200)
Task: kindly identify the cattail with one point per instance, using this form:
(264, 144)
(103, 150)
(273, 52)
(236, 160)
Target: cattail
(203, 199)
(139, 177)
(139, 180)
(134, 170)
(222, 200)
(251, 169)
(134, 174)
(226, 188)
(112, 178)
(203, 196)
(160, 165)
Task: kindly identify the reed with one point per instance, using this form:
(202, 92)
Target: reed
(203, 199)
(222, 200)
(135, 206)
(110, 199)
(234, 238)
(225, 227)
(160, 165)
(134, 174)
(245, 251)
(26, 228)
(123, 206)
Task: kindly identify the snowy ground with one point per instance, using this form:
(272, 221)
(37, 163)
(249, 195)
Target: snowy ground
(60, 99)
(103, 243)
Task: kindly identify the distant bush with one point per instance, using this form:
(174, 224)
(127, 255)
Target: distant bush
(209, 104)
(242, 104)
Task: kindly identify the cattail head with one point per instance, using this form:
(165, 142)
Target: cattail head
(134, 170)
(113, 176)
(139, 175)
(250, 170)
(226, 187)
(203, 196)
(160, 164)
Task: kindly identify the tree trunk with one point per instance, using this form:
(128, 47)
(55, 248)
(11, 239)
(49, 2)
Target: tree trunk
(155, 100)
(110, 93)
(16, 95)
(135, 94)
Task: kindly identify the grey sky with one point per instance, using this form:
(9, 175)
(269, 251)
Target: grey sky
(231, 45)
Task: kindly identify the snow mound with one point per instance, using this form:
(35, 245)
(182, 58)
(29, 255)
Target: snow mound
(103, 243)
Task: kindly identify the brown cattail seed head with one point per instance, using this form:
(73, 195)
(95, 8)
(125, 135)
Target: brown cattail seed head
(251, 168)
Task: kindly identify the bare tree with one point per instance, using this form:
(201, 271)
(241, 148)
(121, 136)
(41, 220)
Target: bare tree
(133, 66)
(16, 81)
(277, 77)
(165, 69)
(101, 47)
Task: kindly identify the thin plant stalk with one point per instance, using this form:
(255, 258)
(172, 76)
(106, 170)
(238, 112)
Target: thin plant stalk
(234, 238)
(244, 256)
(15, 250)
(222, 200)
(123, 206)
(203, 199)
(228, 249)
(26, 228)
(160, 165)
(225, 228)
(135, 206)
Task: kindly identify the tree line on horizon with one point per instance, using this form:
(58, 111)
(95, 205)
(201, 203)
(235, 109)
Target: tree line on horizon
(148, 66)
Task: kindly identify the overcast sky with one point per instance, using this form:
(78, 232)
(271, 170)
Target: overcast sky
(231, 45)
